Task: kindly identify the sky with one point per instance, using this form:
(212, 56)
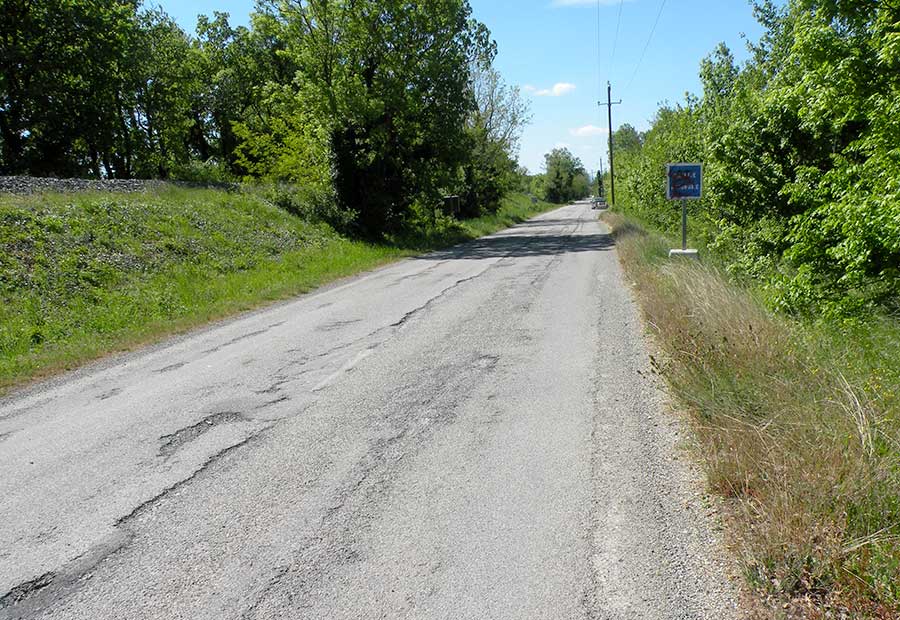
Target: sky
(554, 51)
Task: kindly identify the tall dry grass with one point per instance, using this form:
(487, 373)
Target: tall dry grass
(796, 436)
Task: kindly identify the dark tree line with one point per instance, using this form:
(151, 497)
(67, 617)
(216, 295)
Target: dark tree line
(376, 105)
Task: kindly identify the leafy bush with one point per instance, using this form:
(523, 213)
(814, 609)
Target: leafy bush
(309, 203)
(201, 173)
(800, 151)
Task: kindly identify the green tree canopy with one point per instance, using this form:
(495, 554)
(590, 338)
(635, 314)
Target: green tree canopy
(565, 178)
(800, 151)
(380, 105)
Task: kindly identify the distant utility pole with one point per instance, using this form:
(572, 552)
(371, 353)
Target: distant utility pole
(600, 181)
(612, 181)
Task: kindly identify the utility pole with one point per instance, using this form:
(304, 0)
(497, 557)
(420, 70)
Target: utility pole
(612, 181)
(601, 191)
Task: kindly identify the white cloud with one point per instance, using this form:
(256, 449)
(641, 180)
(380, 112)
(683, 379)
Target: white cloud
(528, 88)
(588, 131)
(557, 90)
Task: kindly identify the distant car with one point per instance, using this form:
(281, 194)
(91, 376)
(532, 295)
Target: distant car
(598, 203)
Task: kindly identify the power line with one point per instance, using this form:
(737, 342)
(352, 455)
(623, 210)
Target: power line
(599, 54)
(612, 56)
(599, 69)
(647, 45)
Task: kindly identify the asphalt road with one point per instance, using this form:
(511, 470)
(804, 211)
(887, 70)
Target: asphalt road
(470, 434)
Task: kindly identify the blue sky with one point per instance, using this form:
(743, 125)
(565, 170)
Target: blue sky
(549, 48)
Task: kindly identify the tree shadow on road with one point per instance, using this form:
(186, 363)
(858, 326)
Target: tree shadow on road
(543, 223)
(524, 245)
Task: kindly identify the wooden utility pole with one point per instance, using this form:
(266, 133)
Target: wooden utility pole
(601, 189)
(612, 181)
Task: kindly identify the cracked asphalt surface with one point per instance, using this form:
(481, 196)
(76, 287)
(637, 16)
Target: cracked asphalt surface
(474, 433)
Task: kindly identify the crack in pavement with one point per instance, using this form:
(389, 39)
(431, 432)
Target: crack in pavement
(409, 315)
(272, 403)
(27, 598)
(145, 505)
(238, 339)
(354, 504)
(332, 327)
(26, 590)
(418, 274)
(15, 413)
(282, 380)
(174, 441)
(110, 393)
(392, 328)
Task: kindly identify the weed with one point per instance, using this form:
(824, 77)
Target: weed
(797, 426)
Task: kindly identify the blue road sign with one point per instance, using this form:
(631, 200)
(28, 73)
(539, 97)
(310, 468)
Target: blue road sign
(685, 181)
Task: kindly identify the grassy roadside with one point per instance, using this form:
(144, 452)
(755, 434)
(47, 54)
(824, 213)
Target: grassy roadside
(85, 275)
(798, 428)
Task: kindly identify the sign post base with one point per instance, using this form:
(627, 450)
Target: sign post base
(684, 253)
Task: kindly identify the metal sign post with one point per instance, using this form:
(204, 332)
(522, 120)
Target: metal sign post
(684, 182)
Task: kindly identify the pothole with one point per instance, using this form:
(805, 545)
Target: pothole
(174, 441)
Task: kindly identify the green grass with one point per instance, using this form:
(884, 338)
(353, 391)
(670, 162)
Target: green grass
(798, 425)
(516, 209)
(428, 232)
(85, 275)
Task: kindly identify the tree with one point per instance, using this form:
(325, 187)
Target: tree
(799, 148)
(389, 83)
(241, 69)
(565, 178)
(493, 131)
(61, 67)
(277, 137)
(626, 138)
(166, 82)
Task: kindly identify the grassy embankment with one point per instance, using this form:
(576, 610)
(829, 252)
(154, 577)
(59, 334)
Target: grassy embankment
(797, 425)
(84, 275)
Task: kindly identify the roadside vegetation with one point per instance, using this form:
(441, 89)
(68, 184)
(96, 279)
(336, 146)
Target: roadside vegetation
(351, 133)
(564, 178)
(377, 109)
(799, 146)
(83, 275)
(796, 424)
(783, 342)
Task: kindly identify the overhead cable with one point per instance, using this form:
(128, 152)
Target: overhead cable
(612, 56)
(662, 4)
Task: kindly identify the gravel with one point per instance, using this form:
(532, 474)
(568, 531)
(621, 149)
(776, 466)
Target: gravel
(22, 185)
